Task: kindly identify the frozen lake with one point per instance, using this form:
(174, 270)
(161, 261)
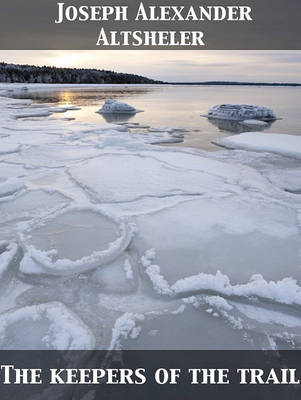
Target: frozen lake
(181, 106)
(110, 240)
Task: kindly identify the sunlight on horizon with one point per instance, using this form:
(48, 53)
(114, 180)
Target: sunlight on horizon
(171, 65)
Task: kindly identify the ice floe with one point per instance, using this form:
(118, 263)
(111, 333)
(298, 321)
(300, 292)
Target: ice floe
(261, 236)
(44, 327)
(112, 106)
(160, 174)
(125, 326)
(241, 112)
(286, 145)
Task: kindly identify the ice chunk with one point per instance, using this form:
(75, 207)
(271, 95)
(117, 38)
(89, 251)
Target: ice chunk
(48, 326)
(33, 113)
(125, 326)
(241, 112)
(76, 239)
(256, 122)
(113, 106)
(29, 266)
(63, 109)
(7, 252)
(286, 145)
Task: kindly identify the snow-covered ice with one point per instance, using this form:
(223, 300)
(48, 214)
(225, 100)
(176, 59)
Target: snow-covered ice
(109, 242)
(44, 326)
(285, 145)
(112, 106)
(241, 112)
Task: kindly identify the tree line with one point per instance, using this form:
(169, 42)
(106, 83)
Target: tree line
(12, 73)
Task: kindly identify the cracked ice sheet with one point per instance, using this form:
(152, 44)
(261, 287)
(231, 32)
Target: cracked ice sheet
(283, 172)
(127, 177)
(239, 235)
(232, 193)
(32, 204)
(53, 155)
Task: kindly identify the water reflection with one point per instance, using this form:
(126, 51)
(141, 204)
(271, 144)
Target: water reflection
(117, 117)
(79, 97)
(236, 126)
(177, 106)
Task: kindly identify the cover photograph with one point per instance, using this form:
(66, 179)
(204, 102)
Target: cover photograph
(150, 199)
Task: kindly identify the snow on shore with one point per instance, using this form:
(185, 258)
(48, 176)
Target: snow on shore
(109, 242)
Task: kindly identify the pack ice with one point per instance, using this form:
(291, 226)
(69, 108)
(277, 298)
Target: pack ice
(109, 242)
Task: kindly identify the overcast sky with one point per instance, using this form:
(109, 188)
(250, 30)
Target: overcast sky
(188, 66)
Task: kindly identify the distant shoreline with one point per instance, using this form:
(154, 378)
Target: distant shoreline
(18, 73)
(221, 83)
(160, 84)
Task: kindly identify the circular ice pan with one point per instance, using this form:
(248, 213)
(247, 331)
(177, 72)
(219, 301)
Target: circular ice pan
(76, 239)
(48, 326)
